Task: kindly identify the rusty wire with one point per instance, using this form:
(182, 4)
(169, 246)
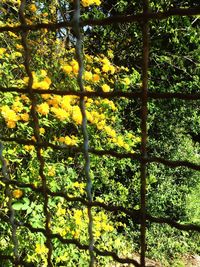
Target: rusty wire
(79, 55)
(107, 21)
(72, 150)
(128, 95)
(138, 216)
(33, 99)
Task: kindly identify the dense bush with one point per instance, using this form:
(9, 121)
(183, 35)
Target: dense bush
(110, 64)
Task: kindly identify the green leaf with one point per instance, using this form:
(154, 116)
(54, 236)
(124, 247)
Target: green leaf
(22, 205)
(26, 201)
(17, 206)
(137, 207)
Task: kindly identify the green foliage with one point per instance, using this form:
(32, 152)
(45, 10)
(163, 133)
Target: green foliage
(112, 56)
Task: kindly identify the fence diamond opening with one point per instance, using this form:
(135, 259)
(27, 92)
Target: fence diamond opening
(23, 28)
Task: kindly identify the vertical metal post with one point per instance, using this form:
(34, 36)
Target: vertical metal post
(144, 111)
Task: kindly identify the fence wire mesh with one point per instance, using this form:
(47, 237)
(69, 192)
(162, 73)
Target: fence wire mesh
(141, 217)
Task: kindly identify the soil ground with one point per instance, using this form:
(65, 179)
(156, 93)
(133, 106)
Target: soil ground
(187, 261)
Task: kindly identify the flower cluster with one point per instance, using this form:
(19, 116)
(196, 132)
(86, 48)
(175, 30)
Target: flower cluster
(10, 116)
(78, 222)
(68, 140)
(40, 81)
(14, 114)
(87, 3)
(71, 67)
(66, 108)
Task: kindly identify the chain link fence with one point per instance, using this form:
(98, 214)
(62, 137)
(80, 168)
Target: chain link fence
(77, 25)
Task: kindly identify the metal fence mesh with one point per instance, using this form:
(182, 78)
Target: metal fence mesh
(77, 25)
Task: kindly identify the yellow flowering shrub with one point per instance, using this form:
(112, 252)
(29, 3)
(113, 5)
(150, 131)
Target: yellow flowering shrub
(55, 68)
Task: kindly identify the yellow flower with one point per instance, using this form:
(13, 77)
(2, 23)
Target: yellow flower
(75, 66)
(12, 34)
(68, 140)
(17, 106)
(88, 88)
(51, 171)
(126, 81)
(67, 69)
(96, 78)
(79, 186)
(32, 7)
(2, 51)
(97, 70)
(105, 88)
(78, 216)
(126, 146)
(10, 116)
(105, 60)
(41, 249)
(26, 80)
(55, 101)
(111, 132)
(101, 125)
(97, 233)
(120, 141)
(17, 54)
(108, 228)
(43, 108)
(29, 148)
(60, 113)
(17, 193)
(65, 102)
(18, 46)
(45, 14)
(76, 115)
(37, 83)
(25, 117)
(43, 73)
(11, 124)
(88, 58)
(61, 139)
(60, 211)
(45, 84)
(33, 138)
(110, 104)
(47, 80)
(105, 68)
(87, 3)
(88, 75)
(62, 231)
(46, 96)
(98, 2)
(42, 130)
(112, 69)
